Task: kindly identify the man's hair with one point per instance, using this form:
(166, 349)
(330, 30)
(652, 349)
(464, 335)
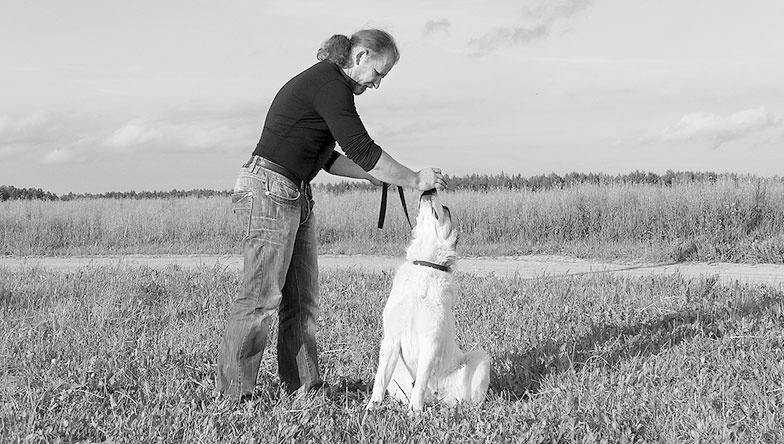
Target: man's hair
(337, 48)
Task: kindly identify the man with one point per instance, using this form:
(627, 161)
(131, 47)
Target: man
(273, 201)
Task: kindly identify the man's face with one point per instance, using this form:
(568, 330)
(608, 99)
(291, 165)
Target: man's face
(368, 70)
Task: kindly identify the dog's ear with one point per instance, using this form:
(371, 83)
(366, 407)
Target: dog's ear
(453, 236)
(445, 226)
(447, 213)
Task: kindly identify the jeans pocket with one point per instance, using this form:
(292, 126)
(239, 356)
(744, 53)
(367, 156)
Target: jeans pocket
(242, 205)
(282, 191)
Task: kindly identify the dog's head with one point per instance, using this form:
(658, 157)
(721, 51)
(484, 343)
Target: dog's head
(435, 236)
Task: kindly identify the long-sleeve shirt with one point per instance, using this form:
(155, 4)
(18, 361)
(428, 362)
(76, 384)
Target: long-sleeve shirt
(309, 114)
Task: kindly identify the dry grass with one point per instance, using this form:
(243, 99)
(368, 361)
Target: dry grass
(735, 221)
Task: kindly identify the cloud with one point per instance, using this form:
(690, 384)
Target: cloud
(718, 129)
(58, 156)
(503, 36)
(549, 11)
(44, 137)
(539, 20)
(31, 128)
(437, 26)
(48, 137)
(208, 136)
(7, 152)
(132, 134)
(200, 135)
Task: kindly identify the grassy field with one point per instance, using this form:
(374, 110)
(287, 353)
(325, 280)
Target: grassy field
(731, 220)
(128, 355)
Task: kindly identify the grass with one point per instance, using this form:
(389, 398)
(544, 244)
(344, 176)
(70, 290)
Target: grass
(731, 220)
(128, 355)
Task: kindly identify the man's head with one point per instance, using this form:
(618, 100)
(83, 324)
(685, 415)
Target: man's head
(366, 57)
(368, 68)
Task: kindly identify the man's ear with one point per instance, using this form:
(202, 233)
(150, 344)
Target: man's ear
(358, 56)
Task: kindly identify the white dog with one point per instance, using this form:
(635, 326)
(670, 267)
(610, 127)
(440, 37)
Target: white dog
(419, 359)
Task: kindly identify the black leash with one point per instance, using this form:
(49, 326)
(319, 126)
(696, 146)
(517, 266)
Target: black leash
(382, 213)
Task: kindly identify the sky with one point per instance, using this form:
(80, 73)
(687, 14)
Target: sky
(144, 95)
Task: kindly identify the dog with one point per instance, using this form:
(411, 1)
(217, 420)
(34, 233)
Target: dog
(419, 359)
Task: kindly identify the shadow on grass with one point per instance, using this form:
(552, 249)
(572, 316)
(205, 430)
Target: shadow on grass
(518, 375)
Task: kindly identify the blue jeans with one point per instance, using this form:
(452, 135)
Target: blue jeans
(280, 274)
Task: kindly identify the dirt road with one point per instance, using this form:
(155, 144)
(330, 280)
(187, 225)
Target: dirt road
(526, 267)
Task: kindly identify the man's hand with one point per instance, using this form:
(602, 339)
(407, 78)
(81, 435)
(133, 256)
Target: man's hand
(430, 178)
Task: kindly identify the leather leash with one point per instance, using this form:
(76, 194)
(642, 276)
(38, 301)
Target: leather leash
(383, 211)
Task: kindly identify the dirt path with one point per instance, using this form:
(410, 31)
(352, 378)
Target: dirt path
(526, 267)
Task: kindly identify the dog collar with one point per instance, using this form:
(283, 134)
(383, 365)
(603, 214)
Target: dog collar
(439, 267)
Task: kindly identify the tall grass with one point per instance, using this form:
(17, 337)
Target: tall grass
(187, 225)
(730, 220)
(128, 355)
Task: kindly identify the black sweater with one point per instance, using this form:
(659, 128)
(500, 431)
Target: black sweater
(309, 114)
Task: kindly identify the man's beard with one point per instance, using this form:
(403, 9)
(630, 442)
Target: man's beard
(356, 87)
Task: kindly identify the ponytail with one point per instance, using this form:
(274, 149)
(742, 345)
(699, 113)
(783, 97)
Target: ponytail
(336, 49)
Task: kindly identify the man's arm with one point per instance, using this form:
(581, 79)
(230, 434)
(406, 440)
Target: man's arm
(343, 166)
(336, 105)
(390, 171)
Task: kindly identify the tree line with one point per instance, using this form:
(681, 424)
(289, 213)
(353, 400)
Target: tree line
(13, 193)
(472, 182)
(516, 182)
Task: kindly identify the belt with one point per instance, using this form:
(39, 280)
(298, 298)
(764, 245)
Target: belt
(257, 162)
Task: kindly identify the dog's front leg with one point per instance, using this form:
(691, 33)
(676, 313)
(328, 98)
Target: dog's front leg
(388, 355)
(423, 373)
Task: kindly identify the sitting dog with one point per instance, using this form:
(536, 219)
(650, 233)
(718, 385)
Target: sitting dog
(419, 360)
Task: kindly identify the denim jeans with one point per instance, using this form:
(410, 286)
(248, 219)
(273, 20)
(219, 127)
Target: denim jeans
(280, 272)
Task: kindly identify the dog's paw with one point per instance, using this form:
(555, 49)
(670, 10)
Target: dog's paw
(414, 412)
(372, 405)
(417, 403)
(415, 407)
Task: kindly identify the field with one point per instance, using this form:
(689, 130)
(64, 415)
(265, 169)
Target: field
(127, 354)
(731, 221)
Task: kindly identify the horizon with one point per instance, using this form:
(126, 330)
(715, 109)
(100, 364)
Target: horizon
(340, 181)
(101, 97)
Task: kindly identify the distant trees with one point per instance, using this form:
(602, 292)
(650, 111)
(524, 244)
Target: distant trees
(13, 193)
(475, 182)
(487, 183)
(147, 194)
(472, 182)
